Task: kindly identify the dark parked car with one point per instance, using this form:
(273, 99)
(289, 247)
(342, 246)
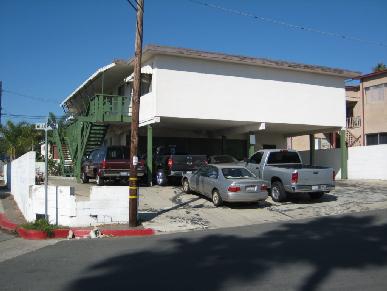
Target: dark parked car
(222, 159)
(109, 163)
(169, 163)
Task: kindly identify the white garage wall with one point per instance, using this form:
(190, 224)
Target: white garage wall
(325, 158)
(193, 88)
(368, 162)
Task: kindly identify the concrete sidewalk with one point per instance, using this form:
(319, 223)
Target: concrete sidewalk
(9, 207)
(10, 245)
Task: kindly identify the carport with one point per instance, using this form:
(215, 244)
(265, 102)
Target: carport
(212, 137)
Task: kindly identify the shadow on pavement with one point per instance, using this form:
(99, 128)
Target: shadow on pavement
(211, 260)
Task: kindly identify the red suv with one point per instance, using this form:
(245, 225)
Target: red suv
(109, 163)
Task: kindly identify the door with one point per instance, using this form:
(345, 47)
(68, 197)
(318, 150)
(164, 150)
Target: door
(209, 181)
(197, 178)
(254, 164)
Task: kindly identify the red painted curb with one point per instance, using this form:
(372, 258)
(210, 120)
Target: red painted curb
(63, 233)
(60, 233)
(31, 233)
(6, 224)
(128, 232)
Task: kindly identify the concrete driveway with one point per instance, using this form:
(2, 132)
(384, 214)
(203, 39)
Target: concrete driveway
(168, 209)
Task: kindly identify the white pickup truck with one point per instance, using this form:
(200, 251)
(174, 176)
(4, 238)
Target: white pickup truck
(284, 173)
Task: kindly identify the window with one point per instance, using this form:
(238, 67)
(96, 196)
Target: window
(235, 173)
(146, 83)
(117, 153)
(383, 138)
(283, 157)
(256, 158)
(376, 138)
(372, 139)
(375, 94)
(212, 172)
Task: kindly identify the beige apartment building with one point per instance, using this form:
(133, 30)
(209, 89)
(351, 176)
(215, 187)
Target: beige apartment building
(366, 112)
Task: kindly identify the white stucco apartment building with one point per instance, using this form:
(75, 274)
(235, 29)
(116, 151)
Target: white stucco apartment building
(212, 103)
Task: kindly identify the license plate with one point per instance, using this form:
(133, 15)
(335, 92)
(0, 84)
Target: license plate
(323, 187)
(124, 174)
(314, 187)
(250, 188)
(188, 172)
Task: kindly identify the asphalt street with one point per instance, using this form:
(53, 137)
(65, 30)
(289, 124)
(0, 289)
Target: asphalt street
(347, 252)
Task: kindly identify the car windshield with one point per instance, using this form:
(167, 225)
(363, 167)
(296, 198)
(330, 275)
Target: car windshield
(236, 173)
(223, 159)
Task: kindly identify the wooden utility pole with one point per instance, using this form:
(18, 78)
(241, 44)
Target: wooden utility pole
(133, 190)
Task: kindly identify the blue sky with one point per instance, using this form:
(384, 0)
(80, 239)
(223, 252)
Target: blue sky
(49, 47)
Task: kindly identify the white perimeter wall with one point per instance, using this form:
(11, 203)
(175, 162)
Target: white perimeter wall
(106, 204)
(22, 177)
(369, 162)
(193, 88)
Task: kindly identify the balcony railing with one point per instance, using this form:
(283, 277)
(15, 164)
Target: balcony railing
(110, 108)
(354, 122)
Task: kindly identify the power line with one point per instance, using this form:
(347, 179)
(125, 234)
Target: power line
(289, 25)
(26, 116)
(30, 97)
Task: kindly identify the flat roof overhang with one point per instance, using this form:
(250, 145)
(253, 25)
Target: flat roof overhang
(152, 50)
(229, 127)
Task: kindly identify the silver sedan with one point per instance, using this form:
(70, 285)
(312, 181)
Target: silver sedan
(225, 182)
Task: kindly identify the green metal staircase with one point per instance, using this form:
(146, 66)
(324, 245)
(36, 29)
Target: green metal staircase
(87, 130)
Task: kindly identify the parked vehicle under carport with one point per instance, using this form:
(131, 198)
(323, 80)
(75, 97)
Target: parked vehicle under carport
(109, 163)
(225, 182)
(169, 164)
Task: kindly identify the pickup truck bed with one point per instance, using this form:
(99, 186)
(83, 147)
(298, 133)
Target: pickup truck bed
(284, 172)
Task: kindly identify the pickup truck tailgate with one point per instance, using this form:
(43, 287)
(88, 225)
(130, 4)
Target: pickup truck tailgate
(314, 176)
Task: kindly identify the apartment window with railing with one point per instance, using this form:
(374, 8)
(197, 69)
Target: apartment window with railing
(376, 138)
(376, 94)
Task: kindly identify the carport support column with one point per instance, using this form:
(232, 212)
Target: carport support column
(311, 149)
(344, 155)
(149, 154)
(251, 141)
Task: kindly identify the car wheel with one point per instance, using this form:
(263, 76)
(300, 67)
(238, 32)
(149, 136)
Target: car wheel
(100, 181)
(186, 188)
(84, 178)
(278, 193)
(216, 198)
(161, 180)
(316, 195)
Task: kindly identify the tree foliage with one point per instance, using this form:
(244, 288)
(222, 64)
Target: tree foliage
(379, 67)
(18, 138)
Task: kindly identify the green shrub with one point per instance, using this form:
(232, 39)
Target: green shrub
(43, 225)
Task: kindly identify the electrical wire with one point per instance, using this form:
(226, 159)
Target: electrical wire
(30, 97)
(289, 25)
